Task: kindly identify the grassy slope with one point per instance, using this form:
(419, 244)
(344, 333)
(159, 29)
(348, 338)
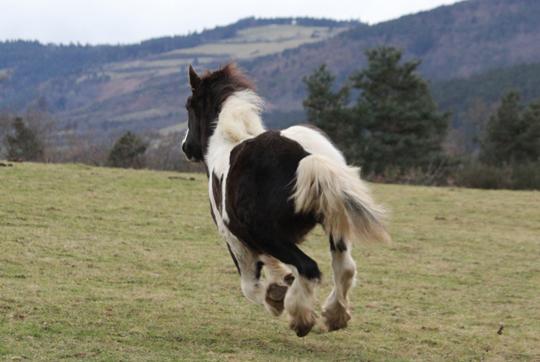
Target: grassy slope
(127, 265)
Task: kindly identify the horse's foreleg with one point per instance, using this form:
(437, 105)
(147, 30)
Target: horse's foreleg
(276, 271)
(300, 299)
(256, 289)
(336, 309)
(278, 277)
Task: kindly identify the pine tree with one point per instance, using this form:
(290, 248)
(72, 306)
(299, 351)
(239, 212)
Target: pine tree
(513, 133)
(394, 124)
(128, 152)
(329, 111)
(25, 145)
(404, 127)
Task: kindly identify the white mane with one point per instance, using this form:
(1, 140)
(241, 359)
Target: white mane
(239, 120)
(240, 117)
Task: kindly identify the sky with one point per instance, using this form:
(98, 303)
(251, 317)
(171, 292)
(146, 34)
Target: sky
(131, 21)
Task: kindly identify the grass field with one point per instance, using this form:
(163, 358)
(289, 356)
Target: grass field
(106, 264)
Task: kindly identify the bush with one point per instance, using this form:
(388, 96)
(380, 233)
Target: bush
(25, 144)
(165, 153)
(526, 177)
(436, 174)
(128, 152)
(394, 123)
(479, 176)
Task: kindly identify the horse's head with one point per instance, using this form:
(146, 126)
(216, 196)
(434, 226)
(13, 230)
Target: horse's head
(208, 94)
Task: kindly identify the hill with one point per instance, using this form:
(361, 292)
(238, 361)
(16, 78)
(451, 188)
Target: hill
(111, 264)
(103, 88)
(461, 94)
(459, 40)
(143, 86)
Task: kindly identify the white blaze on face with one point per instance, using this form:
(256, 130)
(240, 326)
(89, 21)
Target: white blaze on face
(184, 142)
(185, 137)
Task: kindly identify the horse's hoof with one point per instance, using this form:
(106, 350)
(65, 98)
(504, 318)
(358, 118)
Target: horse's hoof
(275, 295)
(302, 332)
(303, 326)
(276, 292)
(336, 321)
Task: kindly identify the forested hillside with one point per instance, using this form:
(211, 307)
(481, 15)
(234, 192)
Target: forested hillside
(460, 40)
(31, 61)
(460, 94)
(112, 88)
(140, 86)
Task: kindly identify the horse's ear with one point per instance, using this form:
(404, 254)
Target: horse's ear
(194, 79)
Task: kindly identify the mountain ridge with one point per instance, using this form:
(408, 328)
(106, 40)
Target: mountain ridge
(143, 87)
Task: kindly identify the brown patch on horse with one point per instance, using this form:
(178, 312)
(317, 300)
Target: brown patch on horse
(289, 279)
(216, 191)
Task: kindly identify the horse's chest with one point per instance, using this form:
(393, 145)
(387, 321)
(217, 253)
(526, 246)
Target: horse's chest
(217, 185)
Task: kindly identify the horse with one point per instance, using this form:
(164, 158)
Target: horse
(268, 189)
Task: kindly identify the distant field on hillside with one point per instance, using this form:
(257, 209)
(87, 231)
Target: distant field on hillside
(247, 44)
(105, 264)
(265, 40)
(133, 94)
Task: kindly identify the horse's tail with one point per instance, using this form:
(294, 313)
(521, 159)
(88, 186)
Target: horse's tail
(335, 192)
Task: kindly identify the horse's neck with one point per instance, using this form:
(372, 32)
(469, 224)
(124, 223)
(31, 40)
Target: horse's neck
(239, 120)
(217, 158)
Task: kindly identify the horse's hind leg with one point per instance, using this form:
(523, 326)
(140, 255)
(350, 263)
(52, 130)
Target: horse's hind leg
(336, 309)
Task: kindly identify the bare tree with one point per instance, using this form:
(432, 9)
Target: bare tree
(165, 153)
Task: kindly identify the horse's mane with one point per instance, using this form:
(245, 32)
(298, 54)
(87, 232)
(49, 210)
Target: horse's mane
(235, 99)
(226, 81)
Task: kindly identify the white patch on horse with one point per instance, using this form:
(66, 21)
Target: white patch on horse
(300, 303)
(313, 142)
(336, 309)
(239, 120)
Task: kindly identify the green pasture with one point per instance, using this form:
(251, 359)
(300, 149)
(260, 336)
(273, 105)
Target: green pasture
(100, 264)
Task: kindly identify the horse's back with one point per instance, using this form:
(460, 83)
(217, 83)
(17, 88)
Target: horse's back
(260, 182)
(314, 140)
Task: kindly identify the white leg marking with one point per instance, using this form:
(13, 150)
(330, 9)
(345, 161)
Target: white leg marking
(336, 309)
(300, 303)
(276, 271)
(255, 288)
(278, 277)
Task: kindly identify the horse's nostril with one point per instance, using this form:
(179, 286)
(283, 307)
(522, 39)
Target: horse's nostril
(184, 147)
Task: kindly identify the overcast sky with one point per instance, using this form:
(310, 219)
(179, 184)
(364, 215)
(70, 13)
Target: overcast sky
(130, 21)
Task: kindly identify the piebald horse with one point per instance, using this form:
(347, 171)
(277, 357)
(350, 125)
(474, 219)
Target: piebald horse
(268, 189)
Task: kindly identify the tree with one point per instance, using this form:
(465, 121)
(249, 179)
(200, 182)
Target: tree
(322, 100)
(395, 122)
(25, 144)
(405, 128)
(512, 135)
(128, 152)
(329, 110)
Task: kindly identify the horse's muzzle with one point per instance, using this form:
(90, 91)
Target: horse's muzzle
(188, 152)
